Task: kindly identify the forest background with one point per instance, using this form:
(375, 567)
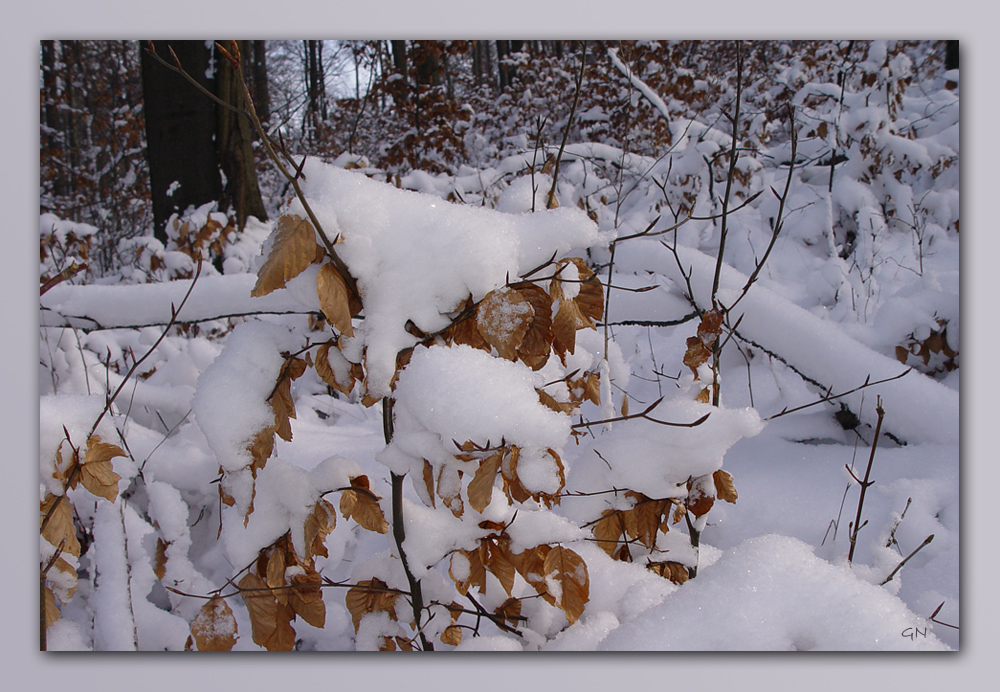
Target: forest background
(921, 20)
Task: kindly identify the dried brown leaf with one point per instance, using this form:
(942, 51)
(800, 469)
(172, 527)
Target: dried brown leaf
(306, 598)
(60, 528)
(537, 342)
(360, 504)
(270, 621)
(452, 635)
(160, 559)
(674, 571)
(500, 562)
(318, 525)
(570, 572)
(369, 596)
(97, 473)
(214, 627)
(335, 299)
(481, 487)
(724, 488)
(293, 250)
(503, 319)
(608, 530)
(51, 610)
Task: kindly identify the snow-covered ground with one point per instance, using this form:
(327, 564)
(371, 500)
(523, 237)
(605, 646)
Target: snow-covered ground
(771, 575)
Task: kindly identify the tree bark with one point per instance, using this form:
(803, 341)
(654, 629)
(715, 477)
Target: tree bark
(261, 94)
(190, 138)
(180, 132)
(233, 146)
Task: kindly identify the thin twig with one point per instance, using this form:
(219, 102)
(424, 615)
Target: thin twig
(906, 559)
(866, 483)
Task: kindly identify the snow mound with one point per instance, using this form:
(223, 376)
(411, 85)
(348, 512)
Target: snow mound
(417, 257)
(771, 593)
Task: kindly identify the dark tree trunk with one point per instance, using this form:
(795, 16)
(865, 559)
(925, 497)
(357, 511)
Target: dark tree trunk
(261, 95)
(180, 132)
(399, 57)
(951, 55)
(315, 88)
(189, 138)
(232, 140)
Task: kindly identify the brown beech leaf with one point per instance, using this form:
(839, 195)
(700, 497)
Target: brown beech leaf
(481, 487)
(570, 572)
(369, 596)
(477, 572)
(647, 521)
(452, 635)
(710, 326)
(530, 564)
(608, 530)
(306, 598)
(160, 559)
(327, 374)
(97, 473)
(271, 621)
(674, 571)
(701, 496)
(704, 396)
(214, 627)
(334, 299)
(293, 250)
(509, 610)
(281, 399)
(500, 563)
(503, 319)
(51, 610)
(537, 342)
(696, 354)
(590, 297)
(558, 406)
(318, 525)
(275, 573)
(724, 488)
(428, 478)
(360, 504)
(59, 529)
(565, 322)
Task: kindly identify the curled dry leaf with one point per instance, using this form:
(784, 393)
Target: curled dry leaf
(51, 610)
(97, 473)
(335, 299)
(294, 248)
(271, 622)
(452, 635)
(701, 496)
(59, 529)
(481, 487)
(318, 525)
(503, 319)
(536, 345)
(570, 572)
(674, 571)
(305, 598)
(370, 596)
(360, 504)
(724, 488)
(608, 530)
(214, 627)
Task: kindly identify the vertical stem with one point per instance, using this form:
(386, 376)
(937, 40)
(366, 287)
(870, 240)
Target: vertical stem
(866, 483)
(41, 609)
(399, 531)
(733, 155)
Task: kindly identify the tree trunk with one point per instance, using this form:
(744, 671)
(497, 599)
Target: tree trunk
(951, 55)
(261, 95)
(180, 131)
(189, 138)
(232, 140)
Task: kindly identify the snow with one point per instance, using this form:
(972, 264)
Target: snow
(771, 593)
(772, 568)
(417, 258)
